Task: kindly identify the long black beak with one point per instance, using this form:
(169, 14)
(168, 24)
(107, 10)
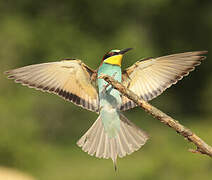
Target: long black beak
(125, 50)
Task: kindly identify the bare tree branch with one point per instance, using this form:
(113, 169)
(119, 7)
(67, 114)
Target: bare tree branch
(202, 147)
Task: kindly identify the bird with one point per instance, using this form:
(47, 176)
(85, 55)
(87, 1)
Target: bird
(112, 135)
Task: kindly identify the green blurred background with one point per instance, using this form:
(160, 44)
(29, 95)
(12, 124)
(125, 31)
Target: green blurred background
(38, 131)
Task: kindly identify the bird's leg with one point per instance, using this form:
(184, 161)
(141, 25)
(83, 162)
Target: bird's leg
(106, 86)
(114, 74)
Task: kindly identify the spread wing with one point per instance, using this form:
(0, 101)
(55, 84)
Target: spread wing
(149, 78)
(70, 79)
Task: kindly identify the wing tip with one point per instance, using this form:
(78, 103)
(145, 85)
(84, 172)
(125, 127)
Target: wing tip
(203, 52)
(200, 54)
(202, 58)
(11, 77)
(8, 73)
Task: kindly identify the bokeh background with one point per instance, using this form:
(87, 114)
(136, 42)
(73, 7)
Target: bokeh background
(38, 131)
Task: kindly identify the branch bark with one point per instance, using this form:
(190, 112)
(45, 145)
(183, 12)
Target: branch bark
(202, 147)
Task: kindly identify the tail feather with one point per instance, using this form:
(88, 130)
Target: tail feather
(97, 142)
(101, 146)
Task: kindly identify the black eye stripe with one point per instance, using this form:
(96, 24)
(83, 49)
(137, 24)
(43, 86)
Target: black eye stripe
(106, 56)
(109, 55)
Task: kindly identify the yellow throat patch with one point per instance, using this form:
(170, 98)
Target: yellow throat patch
(114, 60)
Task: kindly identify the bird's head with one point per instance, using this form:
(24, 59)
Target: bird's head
(114, 57)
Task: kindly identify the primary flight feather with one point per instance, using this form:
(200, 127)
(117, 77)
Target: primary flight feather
(112, 135)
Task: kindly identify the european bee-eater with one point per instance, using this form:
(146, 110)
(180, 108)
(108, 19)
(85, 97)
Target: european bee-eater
(112, 135)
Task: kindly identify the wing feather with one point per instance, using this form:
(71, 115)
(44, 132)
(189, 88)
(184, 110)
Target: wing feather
(70, 79)
(149, 78)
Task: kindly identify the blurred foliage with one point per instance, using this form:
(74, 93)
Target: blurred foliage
(39, 131)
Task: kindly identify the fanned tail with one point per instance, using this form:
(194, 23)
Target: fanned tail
(97, 142)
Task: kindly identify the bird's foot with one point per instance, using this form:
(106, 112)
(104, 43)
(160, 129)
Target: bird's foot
(114, 74)
(105, 88)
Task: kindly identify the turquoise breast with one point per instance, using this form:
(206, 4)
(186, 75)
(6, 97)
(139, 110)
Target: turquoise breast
(110, 100)
(109, 94)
